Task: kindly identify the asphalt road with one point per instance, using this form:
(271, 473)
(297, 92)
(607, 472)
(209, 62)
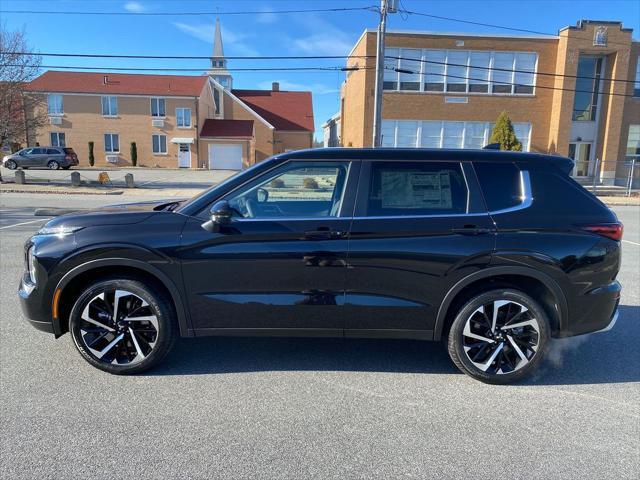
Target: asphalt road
(312, 408)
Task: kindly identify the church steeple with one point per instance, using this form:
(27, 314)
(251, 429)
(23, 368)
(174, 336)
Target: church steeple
(218, 69)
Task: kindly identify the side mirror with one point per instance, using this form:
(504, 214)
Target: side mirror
(220, 214)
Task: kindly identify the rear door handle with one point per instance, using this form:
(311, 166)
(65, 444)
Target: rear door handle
(471, 230)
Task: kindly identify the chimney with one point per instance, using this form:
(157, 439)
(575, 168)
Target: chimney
(275, 86)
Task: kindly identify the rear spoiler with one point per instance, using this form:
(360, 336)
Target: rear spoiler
(564, 164)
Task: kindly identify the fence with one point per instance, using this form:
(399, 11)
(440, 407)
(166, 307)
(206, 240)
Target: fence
(596, 174)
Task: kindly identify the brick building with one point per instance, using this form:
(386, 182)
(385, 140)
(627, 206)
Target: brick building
(175, 121)
(446, 90)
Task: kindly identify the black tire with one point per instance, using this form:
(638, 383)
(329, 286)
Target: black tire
(10, 164)
(154, 347)
(53, 165)
(510, 364)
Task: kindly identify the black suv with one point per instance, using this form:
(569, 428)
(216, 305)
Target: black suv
(493, 252)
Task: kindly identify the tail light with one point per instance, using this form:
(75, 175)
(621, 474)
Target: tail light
(609, 230)
(68, 157)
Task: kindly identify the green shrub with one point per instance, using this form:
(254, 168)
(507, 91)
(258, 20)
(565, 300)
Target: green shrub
(134, 154)
(277, 183)
(310, 183)
(504, 134)
(92, 159)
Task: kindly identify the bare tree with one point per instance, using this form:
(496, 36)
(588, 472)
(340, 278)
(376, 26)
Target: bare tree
(20, 113)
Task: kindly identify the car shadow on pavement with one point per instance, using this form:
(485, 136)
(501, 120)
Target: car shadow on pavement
(611, 357)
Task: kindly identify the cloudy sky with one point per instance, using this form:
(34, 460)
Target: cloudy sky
(266, 32)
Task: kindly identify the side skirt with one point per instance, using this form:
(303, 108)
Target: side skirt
(315, 332)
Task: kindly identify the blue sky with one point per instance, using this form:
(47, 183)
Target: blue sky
(274, 34)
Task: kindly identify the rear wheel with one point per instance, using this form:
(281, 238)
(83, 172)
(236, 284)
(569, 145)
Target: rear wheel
(499, 337)
(53, 165)
(11, 164)
(122, 326)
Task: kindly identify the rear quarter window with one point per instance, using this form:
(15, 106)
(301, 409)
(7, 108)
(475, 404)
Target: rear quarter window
(500, 184)
(561, 194)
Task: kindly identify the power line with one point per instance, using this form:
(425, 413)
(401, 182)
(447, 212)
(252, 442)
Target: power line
(486, 81)
(165, 69)
(491, 25)
(184, 14)
(311, 57)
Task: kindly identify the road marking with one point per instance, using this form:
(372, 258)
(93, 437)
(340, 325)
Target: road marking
(25, 223)
(632, 243)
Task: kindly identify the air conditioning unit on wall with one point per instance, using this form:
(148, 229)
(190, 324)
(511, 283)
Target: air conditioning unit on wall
(112, 158)
(157, 123)
(55, 120)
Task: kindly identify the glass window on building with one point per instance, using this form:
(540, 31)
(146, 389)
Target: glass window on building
(479, 63)
(407, 135)
(411, 61)
(390, 81)
(475, 134)
(57, 139)
(585, 100)
(109, 106)
(183, 117)
(502, 73)
(158, 107)
(452, 134)
(159, 144)
(524, 73)
(388, 132)
(457, 71)
(431, 135)
(54, 104)
(636, 86)
(111, 143)
(633, 142)
(434, 67)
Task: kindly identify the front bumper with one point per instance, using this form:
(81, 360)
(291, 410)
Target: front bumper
(32, 310)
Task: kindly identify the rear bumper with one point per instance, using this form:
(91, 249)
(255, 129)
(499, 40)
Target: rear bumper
(612, 323)
(598, 310)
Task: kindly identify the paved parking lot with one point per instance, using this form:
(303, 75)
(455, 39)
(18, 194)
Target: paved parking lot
(300, 408)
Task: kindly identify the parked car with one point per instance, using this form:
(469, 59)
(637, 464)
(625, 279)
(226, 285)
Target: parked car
(492, 252)
(52, 158)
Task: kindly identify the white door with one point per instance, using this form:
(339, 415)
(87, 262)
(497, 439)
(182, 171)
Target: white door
(225, 156)
(184, 155)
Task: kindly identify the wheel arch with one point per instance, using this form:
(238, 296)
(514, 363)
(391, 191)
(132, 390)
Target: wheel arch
(547, 291)
(72, 281)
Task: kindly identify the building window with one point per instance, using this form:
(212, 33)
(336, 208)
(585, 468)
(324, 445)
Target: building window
(585, 100)
(217, 100)
(111, 143)
(159, 143)
(109, 106)
(636, 85)
(633, 142)
(57, 139)
(158, 107)
(445, 134)
(455, 71)
(183, 117)
(54, 104)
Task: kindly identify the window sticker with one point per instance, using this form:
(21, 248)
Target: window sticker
(416, 189)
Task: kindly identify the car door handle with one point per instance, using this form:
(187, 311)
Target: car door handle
(471, 230)
(322, 234)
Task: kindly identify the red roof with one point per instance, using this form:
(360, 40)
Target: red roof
(284, 110)
(118, 83)
(227, 128)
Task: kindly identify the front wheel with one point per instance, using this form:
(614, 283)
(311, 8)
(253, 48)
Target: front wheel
(122, 326)
(53, 165)
(11, 164)
(499, 337)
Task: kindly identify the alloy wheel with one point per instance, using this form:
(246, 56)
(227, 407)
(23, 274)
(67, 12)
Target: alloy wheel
(501, 337)
(53, 165)
(118, 327)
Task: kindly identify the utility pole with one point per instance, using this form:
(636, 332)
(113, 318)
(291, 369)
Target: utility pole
(386, 6)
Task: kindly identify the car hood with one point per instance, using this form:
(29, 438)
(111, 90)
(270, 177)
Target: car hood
(124, 214)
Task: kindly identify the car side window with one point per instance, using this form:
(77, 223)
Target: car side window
(52, 151)
(38, 151)
(500, 184)
(416, 188)
(295, 190)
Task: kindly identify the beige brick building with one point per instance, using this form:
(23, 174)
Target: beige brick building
(446, 90)
(174, 121)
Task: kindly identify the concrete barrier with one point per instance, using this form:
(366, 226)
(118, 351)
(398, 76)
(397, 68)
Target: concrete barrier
(20, 180)
(128, 180)
(75, 179)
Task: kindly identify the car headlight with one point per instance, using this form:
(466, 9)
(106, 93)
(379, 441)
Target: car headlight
(31, 265)
(59, 230)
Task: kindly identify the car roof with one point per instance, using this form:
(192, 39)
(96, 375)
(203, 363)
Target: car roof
(404, 154)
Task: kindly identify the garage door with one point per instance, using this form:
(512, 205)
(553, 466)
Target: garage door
(225, 157)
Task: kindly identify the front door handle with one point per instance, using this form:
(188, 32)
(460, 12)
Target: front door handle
(471, 230)
(323, 234)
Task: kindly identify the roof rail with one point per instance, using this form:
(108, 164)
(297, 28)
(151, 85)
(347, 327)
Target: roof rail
(491, 146)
